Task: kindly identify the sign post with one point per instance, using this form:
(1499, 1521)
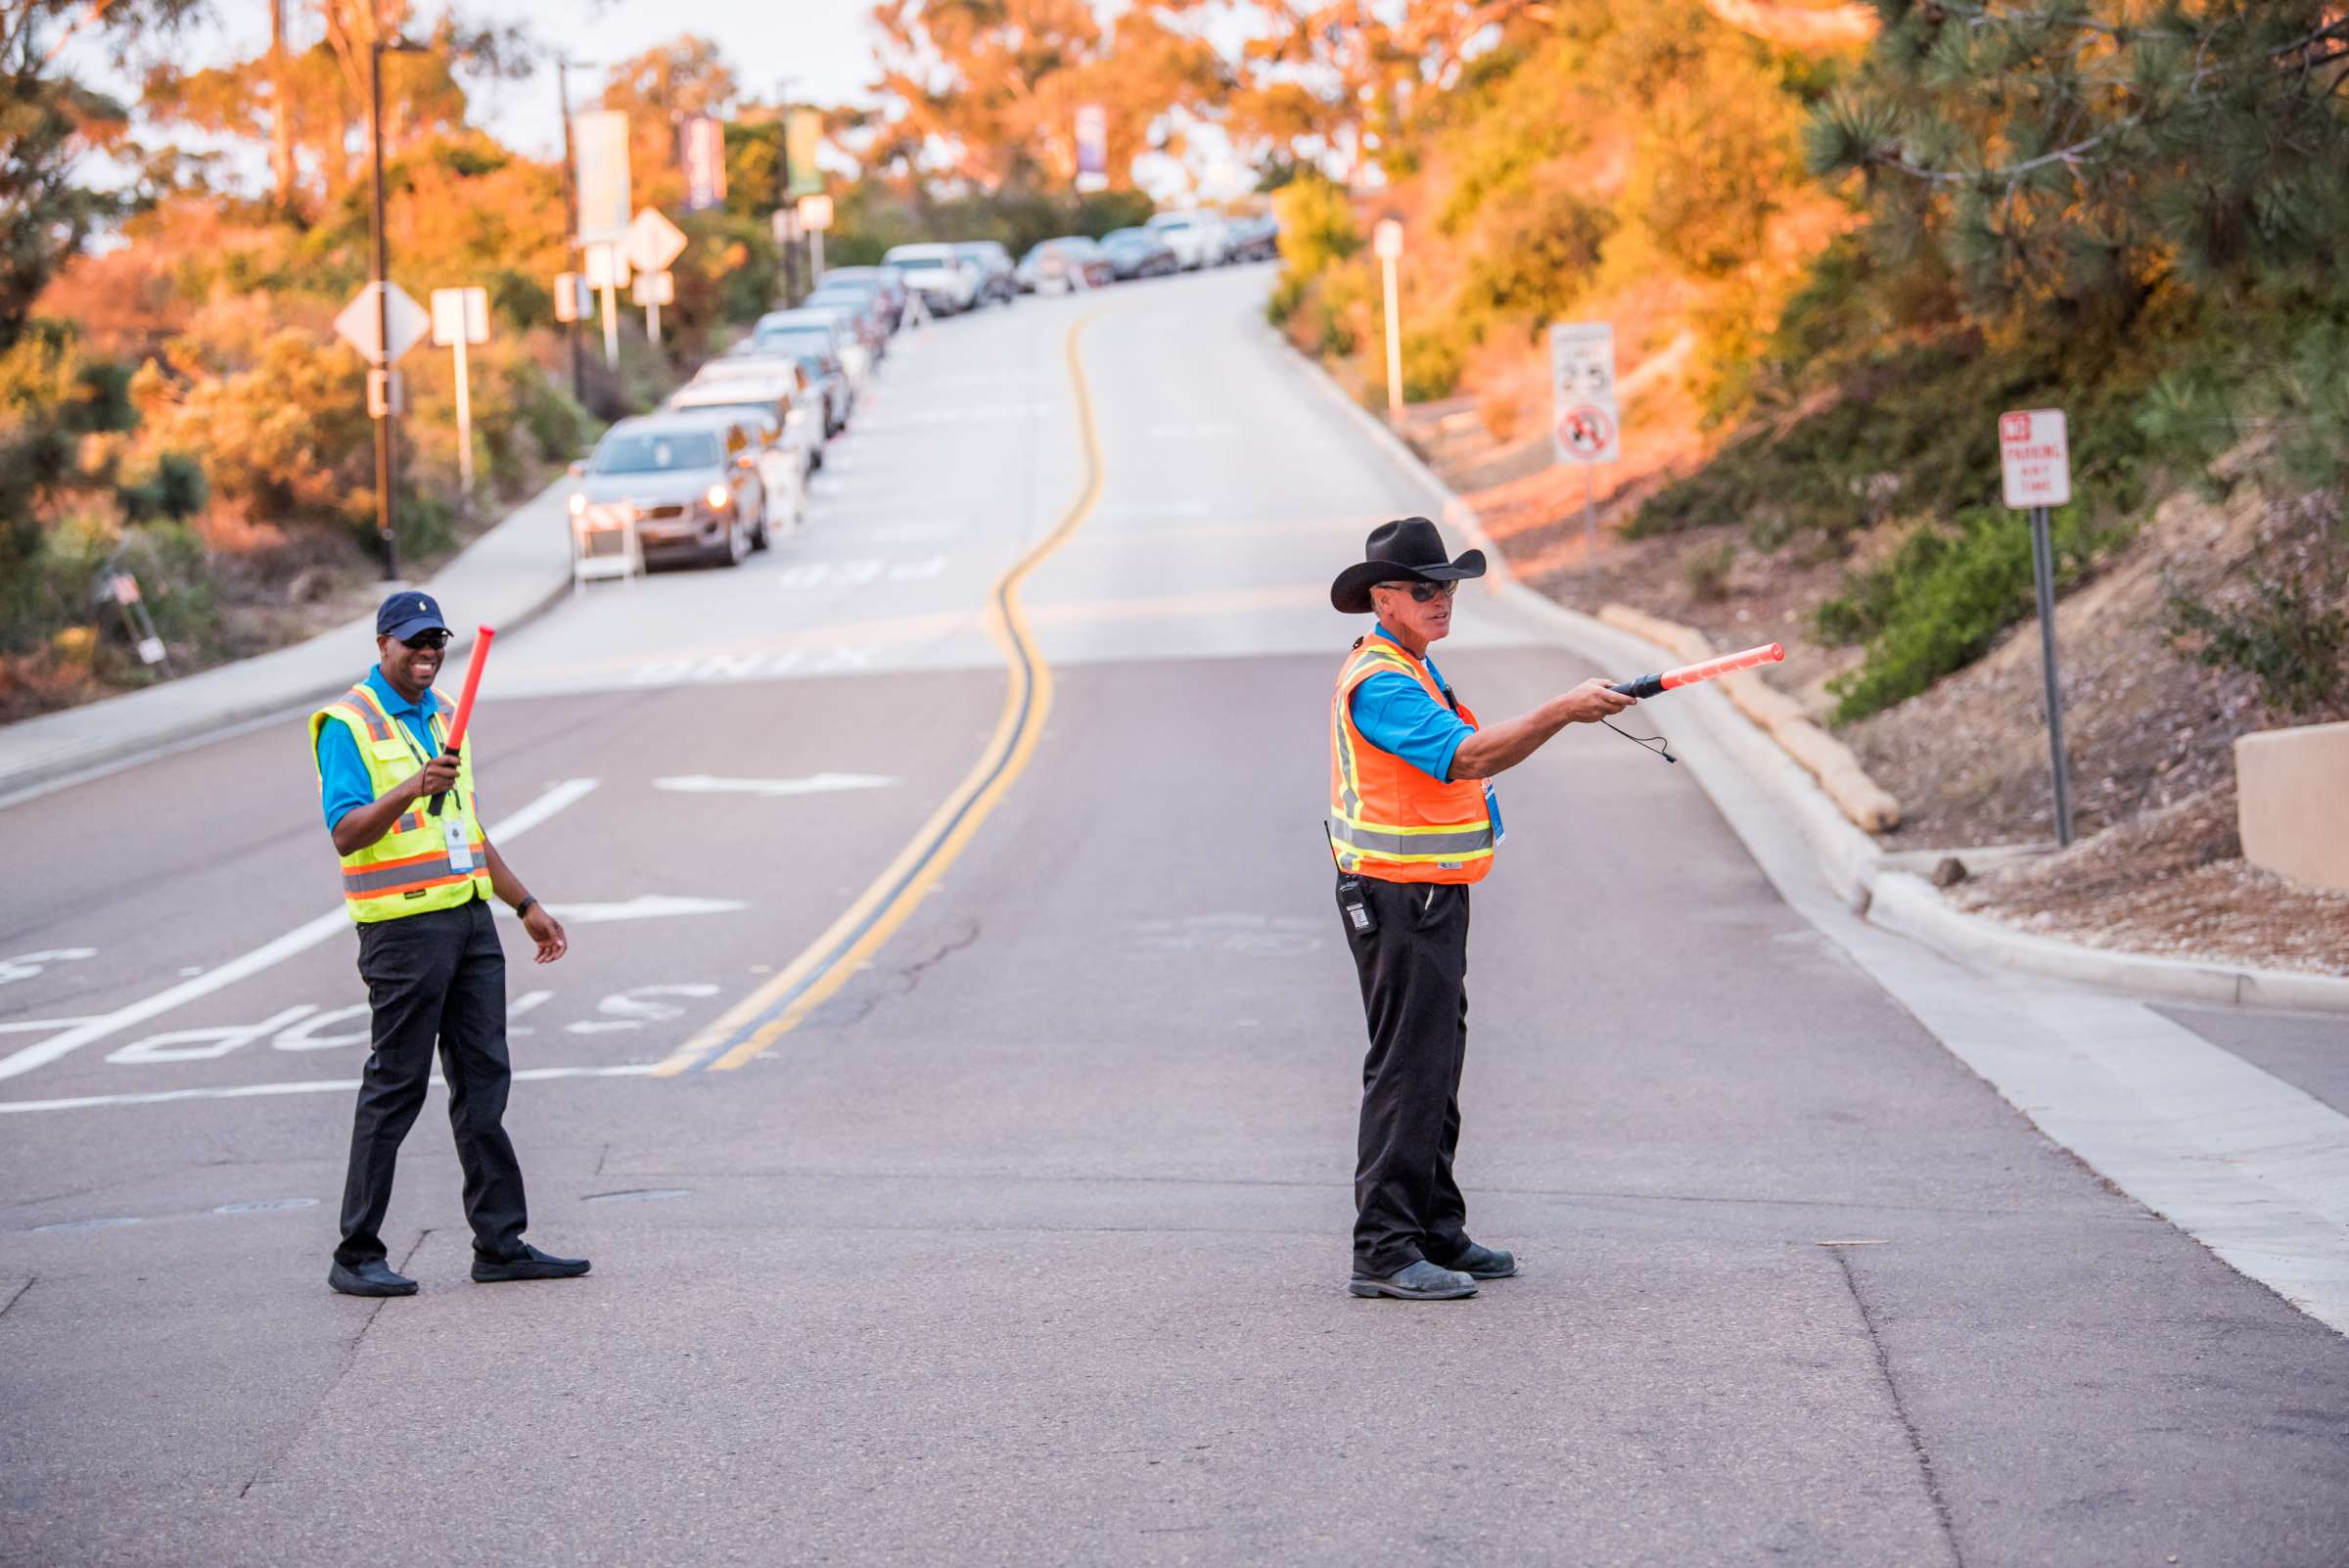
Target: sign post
(1587, 427)
(461, 317)
(1387, 240)
(383, 322)
(2035, 465)
(654, 242)
(607, 269)
(815, 216)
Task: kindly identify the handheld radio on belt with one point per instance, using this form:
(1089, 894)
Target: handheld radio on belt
(473, 683)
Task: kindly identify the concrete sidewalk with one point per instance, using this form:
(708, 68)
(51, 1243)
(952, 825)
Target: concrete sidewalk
(503, 579)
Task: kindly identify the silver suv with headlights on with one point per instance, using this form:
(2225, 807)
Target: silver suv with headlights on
(689, 484)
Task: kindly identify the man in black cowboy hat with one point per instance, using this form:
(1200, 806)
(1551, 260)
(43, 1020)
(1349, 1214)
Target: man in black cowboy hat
(1413, 823)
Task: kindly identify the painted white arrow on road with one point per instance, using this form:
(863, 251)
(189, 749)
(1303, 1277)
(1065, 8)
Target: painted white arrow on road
(813, 784)
(649, 907)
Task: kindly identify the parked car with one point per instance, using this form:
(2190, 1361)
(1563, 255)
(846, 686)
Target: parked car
(1196, 237)
(1138, 254)
(782, 393)
(945, 282)
(887, 280)
(993, 262)
(847, 344)
(1255, 239)
(1071, 261)
(828, 381)
(794, 335)
(862, 300)
(689, 484)
(782, 466)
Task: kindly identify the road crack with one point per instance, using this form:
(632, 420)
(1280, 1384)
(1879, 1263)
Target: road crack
(19, 1295)
(350, 1358)
(1900, 1407)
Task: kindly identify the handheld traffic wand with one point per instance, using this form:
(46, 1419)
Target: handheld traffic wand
(473, 683)
(1688, 675)
(1770, 653)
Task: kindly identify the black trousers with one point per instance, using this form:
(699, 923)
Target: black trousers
(1415, 975)
(437, 979)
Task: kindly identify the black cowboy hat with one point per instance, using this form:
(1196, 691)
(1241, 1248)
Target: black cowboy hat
(1407, 551)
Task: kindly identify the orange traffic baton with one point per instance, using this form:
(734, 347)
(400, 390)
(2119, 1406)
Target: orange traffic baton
(1770, 653)
(473, 683)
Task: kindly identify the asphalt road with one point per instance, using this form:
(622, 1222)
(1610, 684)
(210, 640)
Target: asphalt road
(953, 1080)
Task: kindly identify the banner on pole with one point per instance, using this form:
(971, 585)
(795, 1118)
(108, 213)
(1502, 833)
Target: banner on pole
(705, 163)
(800, 133)
(1093, 148)
(600, 140)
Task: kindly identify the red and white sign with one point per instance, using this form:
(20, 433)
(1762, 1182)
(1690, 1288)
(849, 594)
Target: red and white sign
(2035, 457)
(1586, 434)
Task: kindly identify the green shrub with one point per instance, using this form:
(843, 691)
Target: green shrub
(1941, 601)
(1432, 360)
(1707, 572)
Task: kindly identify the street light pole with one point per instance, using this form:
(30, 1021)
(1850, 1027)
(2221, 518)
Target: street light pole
(571, 208)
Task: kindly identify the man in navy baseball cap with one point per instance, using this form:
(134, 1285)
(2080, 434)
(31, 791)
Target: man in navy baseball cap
(408, 613)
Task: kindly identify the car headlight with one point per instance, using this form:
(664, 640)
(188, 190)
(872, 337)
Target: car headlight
(578, 504)
(718, 498)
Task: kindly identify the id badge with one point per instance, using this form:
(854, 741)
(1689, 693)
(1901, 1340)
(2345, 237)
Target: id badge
(460, 853)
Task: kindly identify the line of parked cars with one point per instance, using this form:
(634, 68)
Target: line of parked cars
(724, 466)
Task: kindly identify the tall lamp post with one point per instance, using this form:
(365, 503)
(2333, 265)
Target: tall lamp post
(376, 49)
(563, 66)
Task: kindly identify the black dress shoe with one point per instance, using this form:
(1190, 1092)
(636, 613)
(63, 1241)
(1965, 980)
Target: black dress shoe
(372, 1278)
(531, 1265)
(1485, 1262)
(1420, 1282)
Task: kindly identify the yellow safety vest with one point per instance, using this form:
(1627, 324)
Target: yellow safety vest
(1387, 820)
(407, 871)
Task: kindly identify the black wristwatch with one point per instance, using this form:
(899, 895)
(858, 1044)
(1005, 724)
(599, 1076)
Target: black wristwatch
(524, 907)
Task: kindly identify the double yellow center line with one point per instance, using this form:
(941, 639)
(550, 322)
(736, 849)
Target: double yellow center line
(778, 1007)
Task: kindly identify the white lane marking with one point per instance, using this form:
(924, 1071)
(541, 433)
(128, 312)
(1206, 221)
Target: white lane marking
(858, 572)
(206, 1045)
(637, 1007)
(37, 1026)
(753, 665)
(315, 1085)
(26, 965)
(813, 784)
(301, 939)
(644, 907)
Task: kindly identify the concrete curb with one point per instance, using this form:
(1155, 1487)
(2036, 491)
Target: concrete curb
(506, 579)
(1851, 862)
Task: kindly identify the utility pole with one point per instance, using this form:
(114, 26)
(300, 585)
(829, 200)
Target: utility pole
(382, 305)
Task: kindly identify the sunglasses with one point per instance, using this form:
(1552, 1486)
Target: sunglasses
(1422, 592)
(424, 640)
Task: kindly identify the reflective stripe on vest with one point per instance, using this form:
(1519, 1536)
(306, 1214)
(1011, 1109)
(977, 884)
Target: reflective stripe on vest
(406, 872)
(1387, 818)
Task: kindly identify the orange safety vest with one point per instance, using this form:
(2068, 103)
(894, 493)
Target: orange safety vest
(1387, 818)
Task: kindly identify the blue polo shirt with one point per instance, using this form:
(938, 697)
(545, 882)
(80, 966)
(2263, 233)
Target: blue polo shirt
(343, 783)
(1395, 715)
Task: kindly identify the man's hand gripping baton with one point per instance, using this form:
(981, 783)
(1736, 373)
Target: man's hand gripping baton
(473, 683)
(1672, 679)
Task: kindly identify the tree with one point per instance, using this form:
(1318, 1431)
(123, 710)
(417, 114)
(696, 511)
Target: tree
(49, 121)
(2075, 153)
(989, 89)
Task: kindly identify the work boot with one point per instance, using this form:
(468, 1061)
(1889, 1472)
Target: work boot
(531, 1263)
(1420, 1282)
(1485, 1262)
(371, 1279)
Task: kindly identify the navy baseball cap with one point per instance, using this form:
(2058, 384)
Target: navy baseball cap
(407, 613)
